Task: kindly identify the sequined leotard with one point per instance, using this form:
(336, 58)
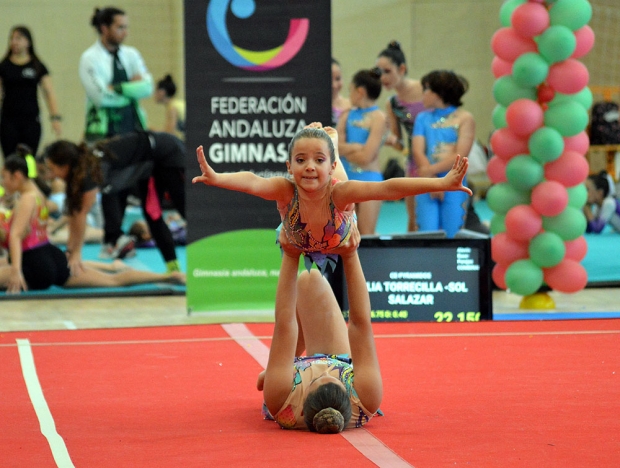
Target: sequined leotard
(336, 232)
(308, 368)
(405, 113)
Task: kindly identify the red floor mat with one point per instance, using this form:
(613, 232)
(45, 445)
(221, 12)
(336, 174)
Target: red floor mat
(488, 394)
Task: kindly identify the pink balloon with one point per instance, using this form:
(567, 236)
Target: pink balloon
(530, 19)
(569, 76)
(585, 41)
(506, 144)
(508, 45)
(570, 169)
(522, 223)
(524, 116)
(500, 67)
(549, 198)
(569, 276)
(506, 250)
(576, 249)
(496, 170)
(579, 143)
(499, 274)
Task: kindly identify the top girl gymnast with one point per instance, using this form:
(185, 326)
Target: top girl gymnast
(316, 206)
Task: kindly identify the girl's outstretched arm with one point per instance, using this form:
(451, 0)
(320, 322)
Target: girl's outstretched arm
(274, 188)
(394, 189)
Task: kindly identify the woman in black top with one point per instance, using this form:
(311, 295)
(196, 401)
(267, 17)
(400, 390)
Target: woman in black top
(21, 72)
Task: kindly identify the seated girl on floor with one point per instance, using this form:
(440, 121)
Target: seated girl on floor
(602, 208)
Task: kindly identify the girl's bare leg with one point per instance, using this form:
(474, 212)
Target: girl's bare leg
(367, 216)
(94, 278)
(318, 312)
(412, 223)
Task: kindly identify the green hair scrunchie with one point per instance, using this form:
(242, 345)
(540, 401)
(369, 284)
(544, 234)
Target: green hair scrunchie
(32, 166)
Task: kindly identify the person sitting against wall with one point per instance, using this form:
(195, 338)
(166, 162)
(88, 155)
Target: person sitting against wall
(602, 209)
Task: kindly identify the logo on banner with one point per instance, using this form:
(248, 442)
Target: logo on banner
(262, 60)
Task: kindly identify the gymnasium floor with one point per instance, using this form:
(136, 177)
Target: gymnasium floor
(136, 381)
(489, 394)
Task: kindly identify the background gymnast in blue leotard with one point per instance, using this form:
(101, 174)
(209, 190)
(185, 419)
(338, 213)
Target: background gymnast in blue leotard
(439, 134)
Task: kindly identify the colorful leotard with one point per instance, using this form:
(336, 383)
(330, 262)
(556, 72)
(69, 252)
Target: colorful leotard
(440, 136)
(43, 264)
(405, 113)
(336, 115)
(37, 230)
(335, 233)
(305, 370)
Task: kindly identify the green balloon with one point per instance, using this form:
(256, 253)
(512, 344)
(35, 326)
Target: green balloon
(569, 118)
(583, 97)
(499, 117)
(569, 224)
(506, 90)
(524, 173)
(556, 43)
(546, 144)
(498, 223)
(577, 196)
(501, 197)
(547, 249)
(505, 11)
(530, 69)
(524, 277)
(574, 14)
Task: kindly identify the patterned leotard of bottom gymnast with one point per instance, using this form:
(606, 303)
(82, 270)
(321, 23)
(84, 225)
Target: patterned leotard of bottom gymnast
(335, 233)
(306, 369)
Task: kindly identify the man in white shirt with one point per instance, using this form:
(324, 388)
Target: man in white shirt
(114, 77)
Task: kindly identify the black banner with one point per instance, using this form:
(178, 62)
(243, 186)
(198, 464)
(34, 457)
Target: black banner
(256, 72)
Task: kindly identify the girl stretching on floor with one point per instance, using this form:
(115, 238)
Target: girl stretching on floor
(316, 206)
(34, 263)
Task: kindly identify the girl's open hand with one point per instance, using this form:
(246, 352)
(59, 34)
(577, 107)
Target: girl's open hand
(16, 283)
(208, 174)
(454, 178)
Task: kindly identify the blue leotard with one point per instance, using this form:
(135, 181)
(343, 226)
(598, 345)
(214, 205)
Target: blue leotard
(440, 136)
(358, 129)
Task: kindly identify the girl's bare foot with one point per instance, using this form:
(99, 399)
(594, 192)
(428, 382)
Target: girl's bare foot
(176, 277)
(333, 134)
(119, 265)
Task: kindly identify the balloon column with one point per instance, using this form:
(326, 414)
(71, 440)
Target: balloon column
(539, 166)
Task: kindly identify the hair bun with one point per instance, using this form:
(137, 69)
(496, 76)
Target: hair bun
(23, 150)
(328, 421)
(394, 45)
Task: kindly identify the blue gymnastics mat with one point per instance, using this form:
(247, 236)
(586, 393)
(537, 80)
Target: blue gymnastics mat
(145, 259)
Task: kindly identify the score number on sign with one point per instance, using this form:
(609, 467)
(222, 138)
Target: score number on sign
(461, 316)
